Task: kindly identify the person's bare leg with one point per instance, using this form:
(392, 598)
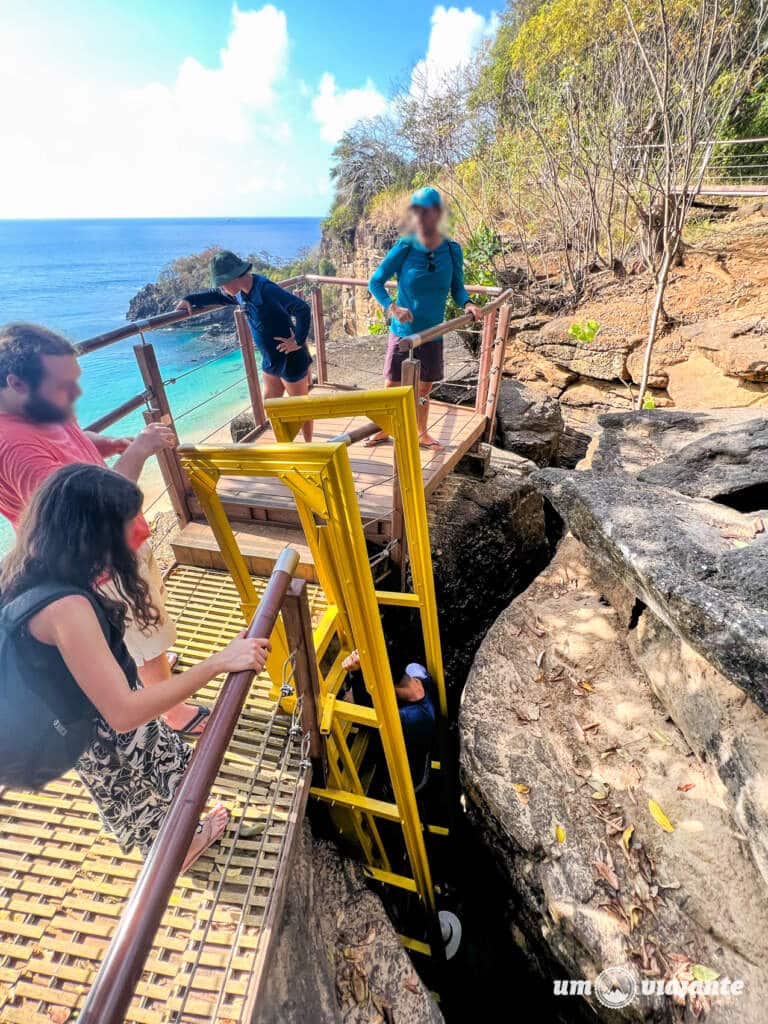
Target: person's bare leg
(158, 670)
(272, 386)
(213, 827)
(298, 388)
(422, 418)
(382, 435)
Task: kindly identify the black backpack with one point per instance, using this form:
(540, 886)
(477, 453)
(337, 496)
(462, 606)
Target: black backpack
(46, 721)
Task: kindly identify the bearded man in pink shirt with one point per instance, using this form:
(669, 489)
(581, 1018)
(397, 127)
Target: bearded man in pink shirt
(39, 375)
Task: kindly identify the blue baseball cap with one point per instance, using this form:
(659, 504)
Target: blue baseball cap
(416, 671)
(427, 197)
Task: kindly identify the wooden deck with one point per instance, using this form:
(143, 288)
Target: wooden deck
(263, 513)
(64, 882)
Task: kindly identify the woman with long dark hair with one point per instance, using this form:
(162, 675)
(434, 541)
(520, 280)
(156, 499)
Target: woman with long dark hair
(76, 532)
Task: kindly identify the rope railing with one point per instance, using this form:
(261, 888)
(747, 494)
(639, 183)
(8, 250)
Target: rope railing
(121, 969)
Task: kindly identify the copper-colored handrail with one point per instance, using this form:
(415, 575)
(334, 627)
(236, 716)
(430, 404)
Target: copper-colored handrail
(358, 282)
(124, 961)
(420, 337)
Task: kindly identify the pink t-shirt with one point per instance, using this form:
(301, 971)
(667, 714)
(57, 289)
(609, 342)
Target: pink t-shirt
(30, 452)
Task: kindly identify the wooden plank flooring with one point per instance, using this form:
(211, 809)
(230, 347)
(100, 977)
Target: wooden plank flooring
(456, 427)
(64, 882)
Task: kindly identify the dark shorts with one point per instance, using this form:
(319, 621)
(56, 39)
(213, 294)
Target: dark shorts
(291, 367)
(430, 355)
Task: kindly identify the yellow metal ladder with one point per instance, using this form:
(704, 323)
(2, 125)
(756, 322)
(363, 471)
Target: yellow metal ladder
(320, 479)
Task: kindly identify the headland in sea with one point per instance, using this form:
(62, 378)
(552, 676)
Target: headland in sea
(78, 277)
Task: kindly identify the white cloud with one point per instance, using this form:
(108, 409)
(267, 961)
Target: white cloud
(336, 109)
(455, 37)
(202, 145)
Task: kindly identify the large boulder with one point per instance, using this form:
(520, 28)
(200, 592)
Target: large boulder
(528, 423)
(738, 347)
(724, 729)
(700, 566)
(728, 465)
(630, 442)
(488, 539)
(697, 383)
(604, 358)
(337, 957)
(612, 834)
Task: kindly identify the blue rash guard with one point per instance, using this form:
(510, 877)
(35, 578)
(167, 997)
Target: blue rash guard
(421, 290)
(272, 313)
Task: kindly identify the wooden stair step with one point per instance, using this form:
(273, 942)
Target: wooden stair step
(259, 543)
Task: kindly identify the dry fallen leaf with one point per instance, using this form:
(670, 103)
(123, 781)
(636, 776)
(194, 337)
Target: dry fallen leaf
(58, 1014)
(660, 817)
(626, 837)
(584, 684)
(686, 787)
(560, 833)
(702, 973)
(520, 788)
(606, 873)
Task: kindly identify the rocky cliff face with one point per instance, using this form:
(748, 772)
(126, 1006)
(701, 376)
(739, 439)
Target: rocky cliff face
(337, 957)
(357, 254)
(614, 737)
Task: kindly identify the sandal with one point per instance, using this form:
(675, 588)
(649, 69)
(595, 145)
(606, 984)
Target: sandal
(374, 442)
(432, 446)
(190, 731)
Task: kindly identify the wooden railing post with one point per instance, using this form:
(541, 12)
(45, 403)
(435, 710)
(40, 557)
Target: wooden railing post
(484, 366)
(173, 475)
(497, 368)
(245, 338)
(318, 329)
(298, 631)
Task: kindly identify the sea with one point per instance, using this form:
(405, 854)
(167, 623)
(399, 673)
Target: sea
(78, 276)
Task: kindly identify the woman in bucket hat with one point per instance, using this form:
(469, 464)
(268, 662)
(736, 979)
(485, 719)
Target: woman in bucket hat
(279, 323)
(428, 267)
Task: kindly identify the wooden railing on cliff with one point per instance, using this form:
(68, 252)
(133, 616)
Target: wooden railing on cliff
(154, 399)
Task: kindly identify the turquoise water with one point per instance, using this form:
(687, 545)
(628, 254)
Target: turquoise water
(77, 277)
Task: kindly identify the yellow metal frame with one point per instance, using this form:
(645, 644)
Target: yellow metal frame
(320, 478)
(393, 409)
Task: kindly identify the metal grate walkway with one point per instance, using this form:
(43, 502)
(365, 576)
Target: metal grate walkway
(63, 882)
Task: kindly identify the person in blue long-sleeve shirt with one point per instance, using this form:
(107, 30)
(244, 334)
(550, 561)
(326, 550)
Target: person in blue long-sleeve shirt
(428, 267)
(279, 323)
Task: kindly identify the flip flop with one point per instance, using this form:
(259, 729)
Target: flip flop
(198, 831)
(187, 731)
(374, 442)
(432, 446)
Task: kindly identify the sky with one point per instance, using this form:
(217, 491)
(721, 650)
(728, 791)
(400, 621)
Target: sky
(203, 108)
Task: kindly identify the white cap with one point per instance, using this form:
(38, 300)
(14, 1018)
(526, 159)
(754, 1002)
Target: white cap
(416, 671)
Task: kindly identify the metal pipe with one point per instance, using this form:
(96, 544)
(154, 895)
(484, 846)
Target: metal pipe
(117, 413)
(456, 324)
(124, 961)
(353, 436)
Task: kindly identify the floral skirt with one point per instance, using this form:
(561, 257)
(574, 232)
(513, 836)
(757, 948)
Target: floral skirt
(132, 777)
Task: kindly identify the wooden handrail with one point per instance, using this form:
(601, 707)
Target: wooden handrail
(359, 282)
(124, 961)
(421, 337)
